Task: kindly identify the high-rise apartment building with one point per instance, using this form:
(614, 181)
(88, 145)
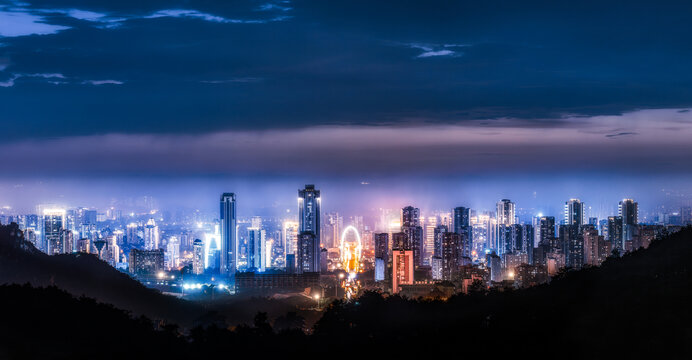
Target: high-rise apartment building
(151, 235)
(256, 249)
(574, 213)
(402, 269)
(410, 225)
(53, 222)
(462, 226)
(197, 257)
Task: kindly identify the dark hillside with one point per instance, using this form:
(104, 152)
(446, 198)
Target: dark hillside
(84, 274)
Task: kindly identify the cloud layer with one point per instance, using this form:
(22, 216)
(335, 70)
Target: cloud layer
(580, 145)
(178, 64)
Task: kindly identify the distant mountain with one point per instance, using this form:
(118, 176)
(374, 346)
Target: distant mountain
(85, 274)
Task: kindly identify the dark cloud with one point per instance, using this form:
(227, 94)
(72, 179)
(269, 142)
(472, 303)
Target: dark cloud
(621, 134)
(180, 66)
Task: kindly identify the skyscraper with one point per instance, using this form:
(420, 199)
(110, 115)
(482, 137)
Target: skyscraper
(381, 245)
(131, 237)
(593, 246)
(410, 216)
(462, 227)
(440, 230)
(229, 244)
(290, 236)
(400, 241)
(506, 215)
(461, 218)
(172, 255)
(309, 205)
(402, 269)
(308, 259)
(256, 249)
(494, 263)
(67, 240)
(506, 212)
(628, 210)
(546, 230)
(451, 254)
(574, 212)
(410, 225)
(429, 240)
(53, 221)
(151, 235)
(614, 233)
(197, 257)
(572, 243)
(381, 255)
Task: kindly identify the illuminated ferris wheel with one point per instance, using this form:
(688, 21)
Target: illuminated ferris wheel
(351, 250)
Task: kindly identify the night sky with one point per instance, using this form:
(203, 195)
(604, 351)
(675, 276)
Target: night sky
(438, 103)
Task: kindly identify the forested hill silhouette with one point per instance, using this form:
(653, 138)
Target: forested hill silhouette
(637, 306)
(48, 323)
(85, 274)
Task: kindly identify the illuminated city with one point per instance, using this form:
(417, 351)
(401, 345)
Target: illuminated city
(210, 179)
(404, 251)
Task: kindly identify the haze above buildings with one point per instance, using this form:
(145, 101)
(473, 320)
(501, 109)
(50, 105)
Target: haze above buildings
(421, 101)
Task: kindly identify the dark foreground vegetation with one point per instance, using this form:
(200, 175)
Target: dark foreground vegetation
(637, 306)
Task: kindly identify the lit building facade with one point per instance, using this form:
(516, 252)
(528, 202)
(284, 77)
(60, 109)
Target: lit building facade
(53, 222)
(229, 243)
(402, 269)
(197, 257)
(151, 235)
(309, 208)
(574, 212)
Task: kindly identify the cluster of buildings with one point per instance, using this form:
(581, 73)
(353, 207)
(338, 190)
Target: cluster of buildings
(399, 251)
(504, 251)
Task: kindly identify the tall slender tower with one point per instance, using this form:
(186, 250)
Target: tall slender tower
(309, 204)
(229, 245)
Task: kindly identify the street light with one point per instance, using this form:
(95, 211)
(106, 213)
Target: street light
(317, 298)
(336, 288)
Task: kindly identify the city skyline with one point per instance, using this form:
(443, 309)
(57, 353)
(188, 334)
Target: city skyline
(435, 245)
(283, 203)
(486, 104)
